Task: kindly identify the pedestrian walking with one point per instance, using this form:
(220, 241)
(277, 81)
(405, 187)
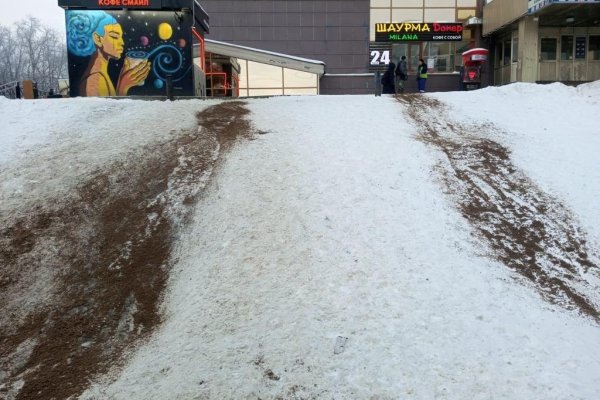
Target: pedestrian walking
(401, 75)
(421, 75)
(18, 91)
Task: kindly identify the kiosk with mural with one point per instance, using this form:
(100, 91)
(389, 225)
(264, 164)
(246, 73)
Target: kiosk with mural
(132, 47)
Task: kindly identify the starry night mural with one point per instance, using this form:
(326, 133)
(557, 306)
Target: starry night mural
(129, 53)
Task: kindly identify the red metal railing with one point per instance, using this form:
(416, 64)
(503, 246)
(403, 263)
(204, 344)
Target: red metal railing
(201, 40)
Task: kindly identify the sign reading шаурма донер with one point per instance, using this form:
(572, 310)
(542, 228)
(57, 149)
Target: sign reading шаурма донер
(418, 32)
(112, 4)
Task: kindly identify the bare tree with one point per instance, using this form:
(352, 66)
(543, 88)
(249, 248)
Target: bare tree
(11, 63)
(32, 51)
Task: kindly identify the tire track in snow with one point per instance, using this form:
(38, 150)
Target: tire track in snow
(528, 230)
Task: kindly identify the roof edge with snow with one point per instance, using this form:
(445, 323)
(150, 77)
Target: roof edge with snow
(263, 56)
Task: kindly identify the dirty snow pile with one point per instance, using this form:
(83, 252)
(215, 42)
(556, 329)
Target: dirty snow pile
(325, 260)
(47, 146)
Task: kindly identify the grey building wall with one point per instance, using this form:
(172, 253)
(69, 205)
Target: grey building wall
(333, 31)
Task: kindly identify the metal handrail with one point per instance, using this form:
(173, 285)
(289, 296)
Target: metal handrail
(8, 89)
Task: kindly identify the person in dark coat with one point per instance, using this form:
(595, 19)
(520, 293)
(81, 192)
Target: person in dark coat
(18, 91)
(388, 80)
(401, 75)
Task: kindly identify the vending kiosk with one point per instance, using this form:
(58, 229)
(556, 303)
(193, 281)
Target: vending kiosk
(473, 61)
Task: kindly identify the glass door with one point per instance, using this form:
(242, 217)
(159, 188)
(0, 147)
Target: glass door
(412, 51)
(414, 54)
(579, 61)
(566, 58)
(548, 55)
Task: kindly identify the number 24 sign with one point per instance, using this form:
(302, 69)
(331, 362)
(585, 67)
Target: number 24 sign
(379, 56)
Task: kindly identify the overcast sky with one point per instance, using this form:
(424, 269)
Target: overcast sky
(47, 11)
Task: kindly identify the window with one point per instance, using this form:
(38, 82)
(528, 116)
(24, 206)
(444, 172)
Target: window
(594, 48)
(442, 54)
(445, 56)
(548, 49)
(414, 55)
(499, 55)
(515, 49)
(412, 51)
(580, 48)
(566, 47)
(464, 14)
(506, 57)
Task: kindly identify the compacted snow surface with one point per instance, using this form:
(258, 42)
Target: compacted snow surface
(326, 261)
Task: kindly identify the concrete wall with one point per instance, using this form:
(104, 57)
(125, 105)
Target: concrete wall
(333, 31)
(499, 13)
(527, 66)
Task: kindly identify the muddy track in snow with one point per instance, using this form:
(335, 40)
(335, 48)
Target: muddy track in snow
(527, 230)
(81, 279)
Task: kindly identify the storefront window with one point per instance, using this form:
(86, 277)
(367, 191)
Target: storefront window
(415, 54)
(580, 47)
(506, 54)
(566, 47)
(594, 48)
(548, 49)
(399, 50)
(412, 51)
(442, 55)
(499, 55)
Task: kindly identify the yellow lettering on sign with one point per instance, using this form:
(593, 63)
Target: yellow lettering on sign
(402, 27)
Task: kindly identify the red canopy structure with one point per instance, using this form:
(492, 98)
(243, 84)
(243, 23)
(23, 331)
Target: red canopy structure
(473, 59)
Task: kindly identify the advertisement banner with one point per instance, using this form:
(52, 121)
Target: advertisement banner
(418, 32)
(129, 53)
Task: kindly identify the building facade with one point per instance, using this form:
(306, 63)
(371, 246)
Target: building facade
(543, 40)
(339, 33)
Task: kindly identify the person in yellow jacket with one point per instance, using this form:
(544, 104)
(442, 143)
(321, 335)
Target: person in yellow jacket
(421, 76)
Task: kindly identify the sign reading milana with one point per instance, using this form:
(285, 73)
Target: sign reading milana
(418, 32)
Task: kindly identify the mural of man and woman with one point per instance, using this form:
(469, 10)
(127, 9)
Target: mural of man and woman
(96, 42)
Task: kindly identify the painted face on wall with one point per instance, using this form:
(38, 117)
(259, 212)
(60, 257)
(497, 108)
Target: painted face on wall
(111, 43)
(113, 52)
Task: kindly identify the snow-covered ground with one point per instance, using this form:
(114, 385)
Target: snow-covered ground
(325, 260)
(553, 132)
(48, 146)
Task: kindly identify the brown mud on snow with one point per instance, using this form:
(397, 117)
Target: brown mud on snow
(528, 230)
(81, 278)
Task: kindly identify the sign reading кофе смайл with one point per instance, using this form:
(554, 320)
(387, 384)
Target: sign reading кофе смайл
(113, 4)
(418, 32)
